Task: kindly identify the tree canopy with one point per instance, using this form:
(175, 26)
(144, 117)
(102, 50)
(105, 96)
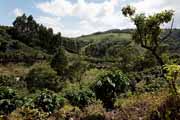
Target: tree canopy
(148, 30)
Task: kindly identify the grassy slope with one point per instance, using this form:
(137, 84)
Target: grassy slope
(119, 35)
(139, 107)
(105, 36)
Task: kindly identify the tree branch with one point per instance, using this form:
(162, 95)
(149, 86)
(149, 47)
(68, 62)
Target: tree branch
(165, 37)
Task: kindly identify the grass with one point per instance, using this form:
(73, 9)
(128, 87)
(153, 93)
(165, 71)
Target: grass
(140, 106)
(111, 36)
(14, 69)
(90, 76)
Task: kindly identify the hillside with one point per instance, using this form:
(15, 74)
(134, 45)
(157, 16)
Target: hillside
(15, 51)
(101, 76)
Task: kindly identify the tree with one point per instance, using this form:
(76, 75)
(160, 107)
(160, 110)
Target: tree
(59, 61)
(27, 30)
(148, 30)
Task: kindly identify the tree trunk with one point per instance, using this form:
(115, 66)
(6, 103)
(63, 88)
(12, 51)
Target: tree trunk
(158, 58)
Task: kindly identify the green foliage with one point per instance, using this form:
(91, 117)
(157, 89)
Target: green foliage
(26, 113)
(59, 61)
(48, 101)
(110, 84)
(102, 46)
(148, 30)
(76, 70)
(11, 81)
(8, 100)
(16, 51)
(154, 85)
(27, 41)
(80, 97)
(173, 72)
(33, 34)
(43, 76)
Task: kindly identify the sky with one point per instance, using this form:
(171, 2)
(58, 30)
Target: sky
(80, 17)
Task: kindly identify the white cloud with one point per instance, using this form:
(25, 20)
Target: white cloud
(153, 6)
(92, 15)
(51, 22)
(99, 16)
(81, 8)
(17, 12)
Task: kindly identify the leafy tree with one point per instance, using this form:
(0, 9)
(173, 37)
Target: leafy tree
(43, 76)
(110, 84)
(148, 30)
(33, 34)
(25, 29)
(59, 61)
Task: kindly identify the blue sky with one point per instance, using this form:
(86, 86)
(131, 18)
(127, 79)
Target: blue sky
(78, 17)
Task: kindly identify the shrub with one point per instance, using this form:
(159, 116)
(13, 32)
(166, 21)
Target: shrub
(68, 112)
(8, 100)
(11, 81)
(80, 97)
(48, 101)
(76, 70)
(43, 76)
(59, 61)
(173, 72)
(154, 85)
(110, 84)
(26, 113)
(94, 112)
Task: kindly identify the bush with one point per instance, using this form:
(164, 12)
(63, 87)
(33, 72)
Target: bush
(43, 76)
(94, 112)
(26, 113)
(68, 112)
(80, 97)
(8, 100)
(110, 84)
(11, 81)
(155, 85)
(48, 101)
(59, 61)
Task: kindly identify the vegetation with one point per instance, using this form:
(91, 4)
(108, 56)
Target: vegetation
(148, 30)
(109, 85)
(111, 75)
(80, 97)
(59, 62)
(42, 76)
(173, 73)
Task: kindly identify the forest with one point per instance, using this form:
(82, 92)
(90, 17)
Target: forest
(128, 74)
